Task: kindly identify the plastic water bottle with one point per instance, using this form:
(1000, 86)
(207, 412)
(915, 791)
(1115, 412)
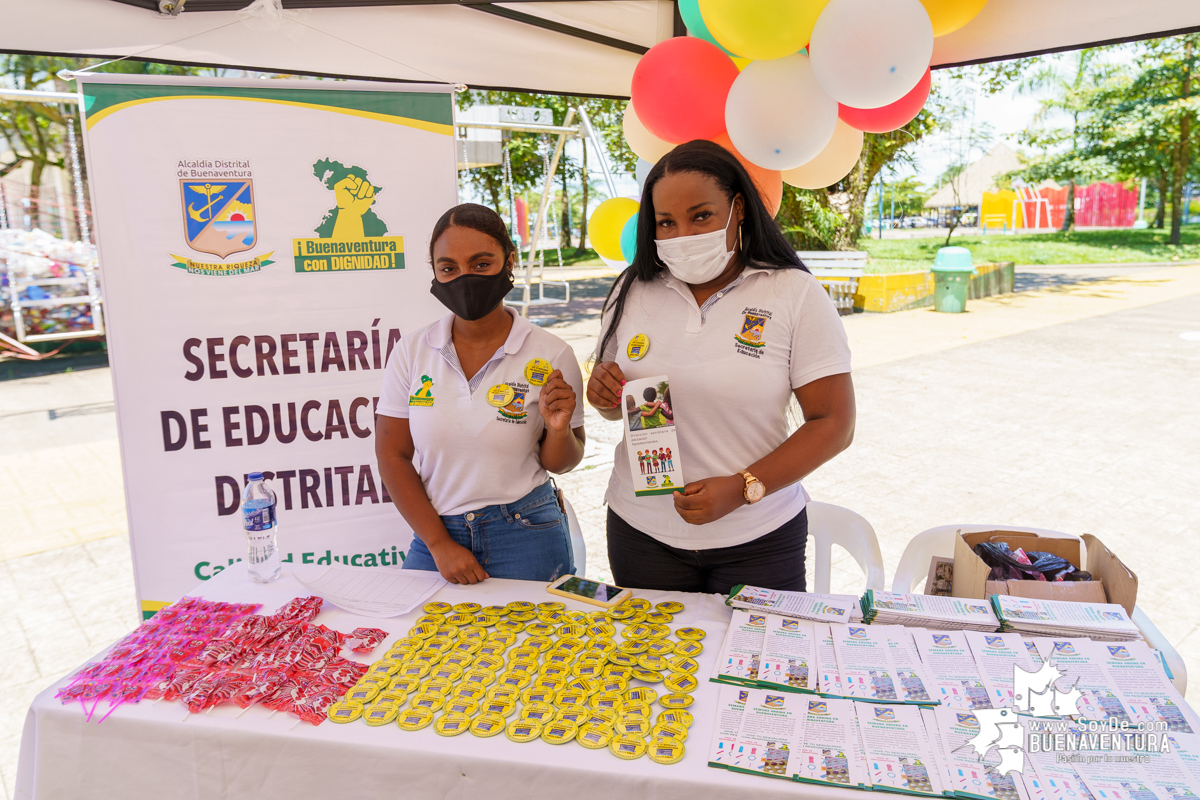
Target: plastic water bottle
(261, 524)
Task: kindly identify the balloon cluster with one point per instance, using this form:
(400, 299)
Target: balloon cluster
(788, 86)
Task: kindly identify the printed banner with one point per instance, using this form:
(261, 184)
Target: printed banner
(228, 355)
(650, 438)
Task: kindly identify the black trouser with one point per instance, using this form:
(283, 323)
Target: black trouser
(774, 560)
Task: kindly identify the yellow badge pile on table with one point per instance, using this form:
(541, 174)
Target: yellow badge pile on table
(461, 669)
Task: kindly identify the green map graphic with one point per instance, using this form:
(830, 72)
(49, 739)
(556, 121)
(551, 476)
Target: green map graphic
(354, 194)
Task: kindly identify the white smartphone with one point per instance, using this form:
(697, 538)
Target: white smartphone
(604, 595)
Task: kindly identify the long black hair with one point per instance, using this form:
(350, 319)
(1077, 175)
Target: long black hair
(479, 218)
(762, 243)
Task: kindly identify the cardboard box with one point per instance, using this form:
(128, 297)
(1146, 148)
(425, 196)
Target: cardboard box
(1113, 582)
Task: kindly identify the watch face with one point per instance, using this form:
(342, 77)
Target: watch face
(755, 491)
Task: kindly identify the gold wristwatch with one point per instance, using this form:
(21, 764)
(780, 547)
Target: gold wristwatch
(754, 490)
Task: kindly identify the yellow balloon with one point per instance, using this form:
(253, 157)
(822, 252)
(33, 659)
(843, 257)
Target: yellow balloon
(948, 16)
(642, 142)
(761, 29)
(604, 228)
(831, 164)
(740, 63)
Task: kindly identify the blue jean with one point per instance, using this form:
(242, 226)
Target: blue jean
(527, 540)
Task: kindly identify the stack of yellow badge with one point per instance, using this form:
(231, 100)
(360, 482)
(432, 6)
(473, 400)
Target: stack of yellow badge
(568, 678)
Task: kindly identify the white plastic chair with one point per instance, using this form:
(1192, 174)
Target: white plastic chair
(578, 548)
(829, 525)
(939, 541)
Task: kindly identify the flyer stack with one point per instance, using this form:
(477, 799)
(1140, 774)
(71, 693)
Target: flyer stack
(901, 709)
(1100, 621)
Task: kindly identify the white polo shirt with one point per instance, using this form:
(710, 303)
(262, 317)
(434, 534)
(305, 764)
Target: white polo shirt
(470, 454)
(732, 366)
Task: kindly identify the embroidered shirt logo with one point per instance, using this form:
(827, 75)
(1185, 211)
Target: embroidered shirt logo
(751, 340)
(424, 395)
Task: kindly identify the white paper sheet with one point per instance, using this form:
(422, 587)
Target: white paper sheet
(370, 592)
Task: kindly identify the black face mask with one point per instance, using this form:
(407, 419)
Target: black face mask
(473, 297)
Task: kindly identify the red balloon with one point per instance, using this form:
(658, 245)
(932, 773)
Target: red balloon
(892, 116)
(679, 89)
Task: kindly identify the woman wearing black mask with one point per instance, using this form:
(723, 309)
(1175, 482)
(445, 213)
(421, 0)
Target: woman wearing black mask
(475, 409)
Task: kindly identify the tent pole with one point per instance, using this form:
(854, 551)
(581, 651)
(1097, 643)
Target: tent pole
(540, 219)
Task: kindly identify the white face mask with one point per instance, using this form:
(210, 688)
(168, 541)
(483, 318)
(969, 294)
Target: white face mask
(698, 258)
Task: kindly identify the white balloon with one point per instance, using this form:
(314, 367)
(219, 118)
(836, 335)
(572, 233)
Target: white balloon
(869, 53)
(831, 164)
(640, 172)
(641, 141)
(618, 265)
(777, 115)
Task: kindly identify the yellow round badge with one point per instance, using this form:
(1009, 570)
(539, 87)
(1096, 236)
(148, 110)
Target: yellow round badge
(559, 731)
(594, 736)
(414, 719)
(676, 700)
(500, 395)
(486, 725)
(665, 750)
(345, 711)
(627, 746)
(537, 371)
(638, 347)
(523, 730)
(452, 724)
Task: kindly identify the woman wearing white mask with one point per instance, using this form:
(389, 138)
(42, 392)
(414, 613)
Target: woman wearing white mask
(717, 301)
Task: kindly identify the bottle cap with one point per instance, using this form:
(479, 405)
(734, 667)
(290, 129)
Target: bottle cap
(255, 476)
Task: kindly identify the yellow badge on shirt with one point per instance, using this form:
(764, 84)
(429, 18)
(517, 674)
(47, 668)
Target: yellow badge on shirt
(638, 347)
(537, 371)
(500, 395)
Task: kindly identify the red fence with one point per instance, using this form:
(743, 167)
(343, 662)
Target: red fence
(1101, 205)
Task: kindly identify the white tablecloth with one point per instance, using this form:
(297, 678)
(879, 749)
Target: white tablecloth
(150, 752)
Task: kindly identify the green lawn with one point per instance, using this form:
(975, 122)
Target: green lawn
(1080, 247)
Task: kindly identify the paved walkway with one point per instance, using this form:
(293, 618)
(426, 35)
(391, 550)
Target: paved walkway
(1071, 407)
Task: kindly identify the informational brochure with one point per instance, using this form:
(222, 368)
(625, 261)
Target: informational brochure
(739, 659)
(996, 654)
(788, 660)
(1031, 648)
(1136, 671)
(930, 611)
(771, 732)
(951, 666)
(1118, 780)
(865, 662)
(898, 750)
(1169, 773)
(1083, 664)
(936, 746)
(828, 754)
(802, 605)
(731, 704)
(829, 676)
(860, 750)
(1187, 747)
(912, 678)
(1056, 775)
(970, 775)
(1103, 621)
(650, 437)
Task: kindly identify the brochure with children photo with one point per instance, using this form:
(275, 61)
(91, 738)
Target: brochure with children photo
(650, 437)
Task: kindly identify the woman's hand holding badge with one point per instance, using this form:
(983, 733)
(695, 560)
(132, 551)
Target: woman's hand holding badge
(556, 402)
(604, 388)
(709, 499)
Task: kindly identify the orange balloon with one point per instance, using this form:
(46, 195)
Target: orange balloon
(769, 182)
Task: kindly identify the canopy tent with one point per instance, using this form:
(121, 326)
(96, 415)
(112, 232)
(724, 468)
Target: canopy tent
(561, 46)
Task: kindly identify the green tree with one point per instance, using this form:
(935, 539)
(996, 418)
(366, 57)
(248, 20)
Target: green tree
(1073, 92)
(1145, 121)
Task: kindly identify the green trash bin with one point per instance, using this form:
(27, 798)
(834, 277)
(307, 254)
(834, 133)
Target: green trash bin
(952, 271)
